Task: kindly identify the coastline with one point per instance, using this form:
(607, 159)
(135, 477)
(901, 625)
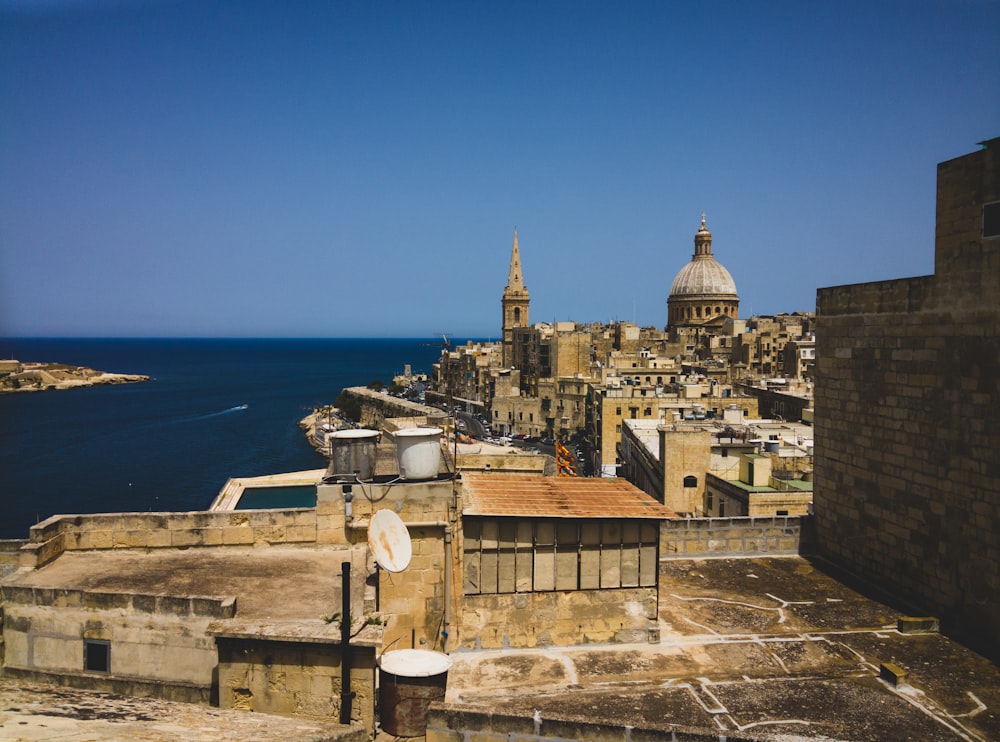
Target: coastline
(40, 377)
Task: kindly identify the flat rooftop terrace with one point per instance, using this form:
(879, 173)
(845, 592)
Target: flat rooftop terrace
(748, 649)
(271, 584)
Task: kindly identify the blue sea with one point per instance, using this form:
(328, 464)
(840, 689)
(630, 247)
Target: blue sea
(171, 443)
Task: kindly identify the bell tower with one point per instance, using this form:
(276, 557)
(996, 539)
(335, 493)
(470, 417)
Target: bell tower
(514, 303)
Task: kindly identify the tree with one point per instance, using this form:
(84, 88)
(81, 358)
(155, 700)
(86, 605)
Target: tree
(376, 386)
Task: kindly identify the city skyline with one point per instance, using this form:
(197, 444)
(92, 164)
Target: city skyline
(227, 169)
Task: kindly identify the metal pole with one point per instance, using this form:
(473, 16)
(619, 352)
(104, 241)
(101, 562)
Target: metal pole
(346, 695)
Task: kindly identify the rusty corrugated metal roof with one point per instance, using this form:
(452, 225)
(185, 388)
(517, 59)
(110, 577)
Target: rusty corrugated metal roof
(557, 497)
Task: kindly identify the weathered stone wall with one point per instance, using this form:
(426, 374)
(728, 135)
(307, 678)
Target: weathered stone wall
(684, 453)
(461, 723)
(377, 407)
(62, 533)
(10, 554)
(411, 602)
(559, 618)
(726, 537)
(906, 491)
(166, 653)
(295, 678)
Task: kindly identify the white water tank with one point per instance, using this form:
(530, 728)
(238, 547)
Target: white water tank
(418, 451)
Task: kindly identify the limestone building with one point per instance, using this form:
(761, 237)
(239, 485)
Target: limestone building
(703, 290)
(907, 391)
(514, 303)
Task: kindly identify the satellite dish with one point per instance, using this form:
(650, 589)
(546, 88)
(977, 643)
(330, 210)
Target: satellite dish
(389, 541)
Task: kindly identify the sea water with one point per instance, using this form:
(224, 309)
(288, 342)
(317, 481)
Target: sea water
(213, 409)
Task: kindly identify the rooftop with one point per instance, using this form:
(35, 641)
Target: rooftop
(279, 590)
(557, 497)
(750, 649)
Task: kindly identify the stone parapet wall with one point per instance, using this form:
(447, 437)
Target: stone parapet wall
(10, 554)
(60, 533)
(727, 537)
(460, 723)
(179, 606)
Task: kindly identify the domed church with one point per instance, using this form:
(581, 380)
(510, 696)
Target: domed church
(703, 289)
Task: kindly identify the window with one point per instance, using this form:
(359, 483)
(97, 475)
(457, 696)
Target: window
(725, 453)
(618, 410)
(782, 512)
(690, 481)
(97, 655)
(722, 508)
(515, 555)
(991, 219)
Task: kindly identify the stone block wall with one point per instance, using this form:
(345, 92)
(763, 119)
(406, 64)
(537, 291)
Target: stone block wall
(726, 537)
(411, 602)
(559, 618)
(295, 678)
(62, 533)
(907, 471)
(10, 554)
(161, 646)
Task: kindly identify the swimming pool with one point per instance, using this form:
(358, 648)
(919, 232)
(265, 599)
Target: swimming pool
(264, 498)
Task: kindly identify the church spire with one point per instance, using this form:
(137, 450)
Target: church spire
(514, 303)
(515, 283)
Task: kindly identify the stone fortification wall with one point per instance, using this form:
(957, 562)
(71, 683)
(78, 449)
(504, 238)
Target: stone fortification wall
(727, 537)
(906, 466)
(377, 407)
(906, 492)
(62, 533)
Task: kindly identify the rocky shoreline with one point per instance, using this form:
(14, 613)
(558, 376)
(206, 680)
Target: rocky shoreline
(39, 377)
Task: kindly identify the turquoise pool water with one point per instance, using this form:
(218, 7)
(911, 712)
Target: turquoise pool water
(263, 498)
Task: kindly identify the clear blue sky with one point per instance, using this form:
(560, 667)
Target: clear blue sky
(247, 168)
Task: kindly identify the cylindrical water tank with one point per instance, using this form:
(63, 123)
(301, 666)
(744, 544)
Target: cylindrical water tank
(410, 680)
(418, 451)
(352, 453)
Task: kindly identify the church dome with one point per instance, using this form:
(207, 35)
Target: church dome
(703, 290)
(701, 278)
(704, 275)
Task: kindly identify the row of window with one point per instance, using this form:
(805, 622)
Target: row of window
(512, 555)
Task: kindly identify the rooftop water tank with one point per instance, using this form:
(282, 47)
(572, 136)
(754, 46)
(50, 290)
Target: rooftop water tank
(352, 453)
(410, 680)
(418, 451)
